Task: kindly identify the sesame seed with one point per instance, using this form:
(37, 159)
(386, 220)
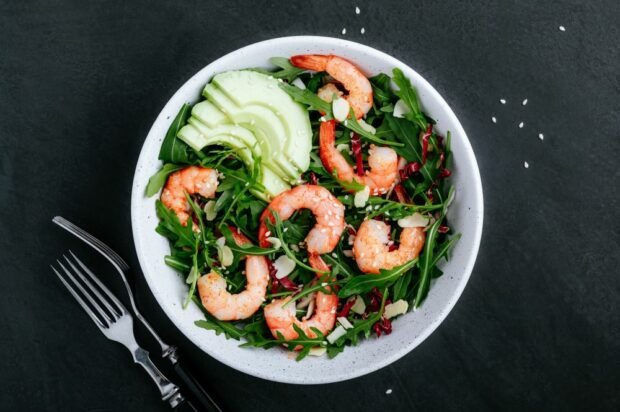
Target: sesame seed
(267, 233)
(502, 101)
(362, 30)
(344, 31)
(524, 102)
(521, 125)
(335, 254)
(541, 136)
(526, 165)
(357, 10)
(389, 391)
(493, 119)
(562, 28)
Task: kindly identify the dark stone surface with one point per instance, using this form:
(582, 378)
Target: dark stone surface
(538, 327)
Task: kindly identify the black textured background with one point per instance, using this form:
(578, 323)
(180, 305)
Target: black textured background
(537, 328)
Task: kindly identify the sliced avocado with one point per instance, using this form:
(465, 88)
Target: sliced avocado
(264, 124)
(209, 114)
(244, 135)
(247, 88)
(197, 135)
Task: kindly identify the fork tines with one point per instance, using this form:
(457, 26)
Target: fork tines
(102, 307)
(91, 240)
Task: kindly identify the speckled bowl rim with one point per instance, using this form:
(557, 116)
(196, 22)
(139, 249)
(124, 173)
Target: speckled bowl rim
(141, 238)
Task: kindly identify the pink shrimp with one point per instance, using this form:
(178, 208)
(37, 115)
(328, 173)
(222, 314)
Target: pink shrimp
(225, 306)
(327, 210)
(358, 86)
(383, 162)
(372, 253)
(192, 179)
(280, 317)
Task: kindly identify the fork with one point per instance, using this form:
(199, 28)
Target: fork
(168, 351)
(114, 321)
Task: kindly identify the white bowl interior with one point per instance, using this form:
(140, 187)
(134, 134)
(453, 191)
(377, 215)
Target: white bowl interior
(465, 215)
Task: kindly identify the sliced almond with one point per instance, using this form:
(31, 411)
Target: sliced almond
(394, 309)
(284, 266)
(400, 109)
(340, 109)
(210, 211)
(361, 197)
(415, 220)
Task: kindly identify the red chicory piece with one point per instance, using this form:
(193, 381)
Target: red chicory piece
(356, 148)
(427, 134)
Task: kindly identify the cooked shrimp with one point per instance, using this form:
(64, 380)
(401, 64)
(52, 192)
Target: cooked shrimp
(192, 179)
(358, 86)
(225, 306)
(383, 162)
(328, 91)
(327, 210)
(281, 318)
(372, 253)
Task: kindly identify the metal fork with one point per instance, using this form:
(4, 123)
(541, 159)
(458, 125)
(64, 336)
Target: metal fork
(121, 267)
(111, 317)
(168, 351)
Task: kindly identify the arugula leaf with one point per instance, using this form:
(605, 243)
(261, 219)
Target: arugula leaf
(315, 82)
(339, 266)
(445, 247)
(245, 249)
(318, 287)
(352, 124)
(303, 340)
(173, 149)
(409, 95)
(401, 286)
(192, 278)
(211, 323)
(382, 90)
(308, 98)
(364, 283)
(408, 133)
(362, 326)
(427, 262)
(158, 180)
(177, 264)
(170, 227)
(287, 70)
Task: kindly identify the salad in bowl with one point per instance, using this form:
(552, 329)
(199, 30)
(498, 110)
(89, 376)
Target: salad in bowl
(307, 198)
(306, 205)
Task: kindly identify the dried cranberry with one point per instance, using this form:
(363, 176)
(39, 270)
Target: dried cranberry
(375, 300)
(444, 173)
(356, 148)
(384, 325)
(344, 312)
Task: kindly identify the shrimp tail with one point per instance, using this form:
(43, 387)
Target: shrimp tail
(314, 62)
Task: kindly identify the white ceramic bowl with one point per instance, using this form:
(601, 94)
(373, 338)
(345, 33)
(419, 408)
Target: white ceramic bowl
(465, 215)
